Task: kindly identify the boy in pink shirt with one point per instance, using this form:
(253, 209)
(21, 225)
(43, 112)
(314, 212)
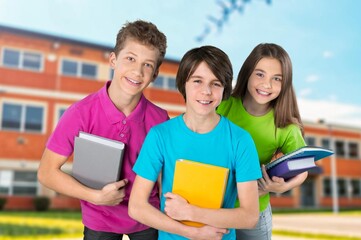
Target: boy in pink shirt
(118, 111)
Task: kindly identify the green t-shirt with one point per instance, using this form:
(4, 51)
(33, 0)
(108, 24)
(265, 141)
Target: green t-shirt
(263, 132)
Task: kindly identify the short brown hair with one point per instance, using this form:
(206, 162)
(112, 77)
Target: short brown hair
(144, 32)
(217, 61)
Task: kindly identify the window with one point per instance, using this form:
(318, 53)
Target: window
(69, 68)
(353, 150)
(165, 83)
(342, 187)
(111, 73)
(5, 181)
(172, 83)
(58, 113)
(32, 61)
(61, 112)
(159, 82)
(78, 69)
(356, 187)
(325, 143)
(33, 118)
(327, 191)
(340, 148)
(22, 59)
(88, 70)
(18, 182)
(22, 117)
(11, 58)
(11, 116)
(311, 141)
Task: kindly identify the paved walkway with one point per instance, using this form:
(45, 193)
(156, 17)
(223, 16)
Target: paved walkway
(338, 225)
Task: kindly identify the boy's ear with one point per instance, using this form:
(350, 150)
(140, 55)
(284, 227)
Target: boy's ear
(112, 59)
(155, 75)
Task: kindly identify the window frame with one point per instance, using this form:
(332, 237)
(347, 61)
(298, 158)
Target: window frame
(79, 68)
(166, 83)
(22, 58)
(13, 183)
(24, 105)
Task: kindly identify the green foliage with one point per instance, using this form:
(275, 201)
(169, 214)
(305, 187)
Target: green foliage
(41, 203)
(23, 230)
(50, 214)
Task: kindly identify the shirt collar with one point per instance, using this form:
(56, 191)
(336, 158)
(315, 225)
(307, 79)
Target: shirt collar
(113, 114)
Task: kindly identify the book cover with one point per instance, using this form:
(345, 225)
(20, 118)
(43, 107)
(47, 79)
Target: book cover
(97, 160)
(279, 166)
(292, 167)
(200, 184)
(306, 151)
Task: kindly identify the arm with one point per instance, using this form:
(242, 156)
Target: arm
(277, 184)
(142, 211)
(51, 176)
(245, 216)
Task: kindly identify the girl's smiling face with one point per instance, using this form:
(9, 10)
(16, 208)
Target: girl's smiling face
(265, 82)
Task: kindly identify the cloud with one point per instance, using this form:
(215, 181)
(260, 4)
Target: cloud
(330, 112)
(312, 78)
(327, 54)
(305, 92)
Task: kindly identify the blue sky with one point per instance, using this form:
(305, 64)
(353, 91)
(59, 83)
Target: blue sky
(323, 37)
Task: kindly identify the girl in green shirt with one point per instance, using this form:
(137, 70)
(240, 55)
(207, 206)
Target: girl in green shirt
(264, 103)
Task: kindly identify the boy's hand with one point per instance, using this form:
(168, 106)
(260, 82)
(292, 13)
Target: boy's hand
(176, 207)
(210, 233)
(112, 194)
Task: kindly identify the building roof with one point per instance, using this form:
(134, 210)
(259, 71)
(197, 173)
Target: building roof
(57, 38)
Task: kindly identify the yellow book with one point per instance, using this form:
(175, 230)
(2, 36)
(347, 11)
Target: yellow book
(200, 184)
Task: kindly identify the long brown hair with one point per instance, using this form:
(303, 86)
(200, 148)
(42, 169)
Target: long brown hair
(285, 105)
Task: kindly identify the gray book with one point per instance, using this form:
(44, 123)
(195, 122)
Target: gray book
(97, 160)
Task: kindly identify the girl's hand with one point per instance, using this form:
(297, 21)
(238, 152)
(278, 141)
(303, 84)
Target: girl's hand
(266, 184)
(176, 207)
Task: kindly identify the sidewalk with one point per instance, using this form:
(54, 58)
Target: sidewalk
(338, 225)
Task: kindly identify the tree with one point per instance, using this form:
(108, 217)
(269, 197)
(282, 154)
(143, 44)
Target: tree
(228, 7)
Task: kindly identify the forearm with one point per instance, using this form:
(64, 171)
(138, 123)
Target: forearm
(51, 176)
(153, 217)
(246, 216)
(64, 183)
(141, 210)
(242, 217)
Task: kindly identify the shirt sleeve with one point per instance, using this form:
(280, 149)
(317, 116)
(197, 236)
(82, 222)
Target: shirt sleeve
(247, 162)
(293, 139)
(61, 140)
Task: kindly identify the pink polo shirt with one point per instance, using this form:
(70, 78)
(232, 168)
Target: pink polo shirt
(97, 114)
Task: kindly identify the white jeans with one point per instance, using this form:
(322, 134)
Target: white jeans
(263, 229)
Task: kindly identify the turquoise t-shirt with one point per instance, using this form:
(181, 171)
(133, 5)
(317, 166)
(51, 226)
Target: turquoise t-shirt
(226, 145)
(263, 132)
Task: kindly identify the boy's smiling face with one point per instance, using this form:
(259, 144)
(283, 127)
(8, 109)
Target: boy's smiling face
(204, 91)
(135, 67)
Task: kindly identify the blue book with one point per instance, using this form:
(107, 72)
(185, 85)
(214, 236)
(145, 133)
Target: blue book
(296, 162)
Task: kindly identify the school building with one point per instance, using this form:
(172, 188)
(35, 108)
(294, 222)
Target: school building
(42, 74)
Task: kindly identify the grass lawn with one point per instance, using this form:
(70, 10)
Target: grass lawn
(40, 225)
(51, 225)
